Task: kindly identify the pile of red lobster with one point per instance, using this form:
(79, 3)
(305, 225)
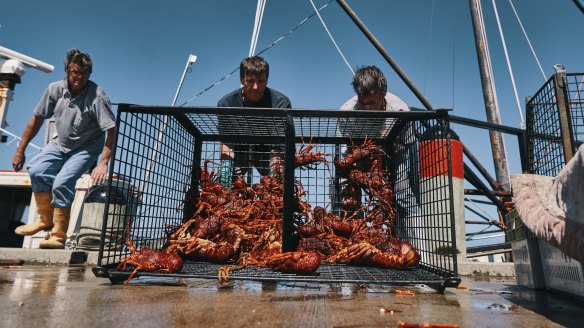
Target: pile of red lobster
(242, 225)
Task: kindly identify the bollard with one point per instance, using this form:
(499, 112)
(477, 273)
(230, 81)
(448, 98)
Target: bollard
(436, 198)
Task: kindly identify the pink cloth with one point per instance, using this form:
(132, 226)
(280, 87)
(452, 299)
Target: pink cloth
(553, 207)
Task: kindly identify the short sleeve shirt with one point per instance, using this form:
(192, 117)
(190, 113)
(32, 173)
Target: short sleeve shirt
(81, 121)
(393, 104)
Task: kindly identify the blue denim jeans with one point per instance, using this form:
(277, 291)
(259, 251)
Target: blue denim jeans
(51, 170)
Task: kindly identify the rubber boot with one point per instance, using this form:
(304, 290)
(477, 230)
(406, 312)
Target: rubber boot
(59, 233)
(45, 210)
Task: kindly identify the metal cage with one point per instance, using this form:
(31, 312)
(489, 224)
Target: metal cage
(158, 151)
(555, 123)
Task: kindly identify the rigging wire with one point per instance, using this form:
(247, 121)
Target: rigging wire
(259, 53)
(428, 49)
(509, 64)
(257, 25)
(331, 36)
(453, 58)
(528, 42)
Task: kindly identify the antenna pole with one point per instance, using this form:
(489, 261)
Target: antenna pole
(192, 58)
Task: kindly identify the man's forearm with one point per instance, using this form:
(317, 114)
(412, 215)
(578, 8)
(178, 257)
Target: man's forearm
(107, 148)
(30, 131)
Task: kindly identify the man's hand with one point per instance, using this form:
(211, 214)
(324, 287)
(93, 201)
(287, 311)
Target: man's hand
(18, 160)
(32, 128)
(99, 174)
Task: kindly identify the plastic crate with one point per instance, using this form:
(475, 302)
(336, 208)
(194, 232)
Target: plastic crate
(525, 249)
(514, 227)
(527, 263)
(160, 150)
(561, 272)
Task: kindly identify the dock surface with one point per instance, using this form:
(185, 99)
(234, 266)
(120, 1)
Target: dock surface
(71, 296)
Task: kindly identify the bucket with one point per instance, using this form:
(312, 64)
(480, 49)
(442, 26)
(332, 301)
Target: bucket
(89, 235)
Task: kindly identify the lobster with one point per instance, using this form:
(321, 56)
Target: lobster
(364, 152)
(203, 249)
(364, 253)
(343, 227)
(310, 228)
(241, 187)
(148, 259)
(294, 262)
(351, 196)
(305, 158)
(324, 244)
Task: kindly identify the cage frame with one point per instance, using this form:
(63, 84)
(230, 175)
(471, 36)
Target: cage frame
(439, 278)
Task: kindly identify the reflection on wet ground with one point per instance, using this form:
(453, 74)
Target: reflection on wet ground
(32, 296)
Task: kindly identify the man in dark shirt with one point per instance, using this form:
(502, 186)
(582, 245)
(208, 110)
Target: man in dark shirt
(253, 74)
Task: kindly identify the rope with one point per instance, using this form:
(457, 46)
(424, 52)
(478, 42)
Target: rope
(509, 65)
(259, 53)
(331, 36)
(528, 42)
(257, 25)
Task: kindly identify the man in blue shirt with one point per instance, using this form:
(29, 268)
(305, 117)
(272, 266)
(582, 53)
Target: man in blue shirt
(83, 114)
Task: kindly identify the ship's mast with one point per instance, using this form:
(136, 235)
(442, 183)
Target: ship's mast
(490, 96)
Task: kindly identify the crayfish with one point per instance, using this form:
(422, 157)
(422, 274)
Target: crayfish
(364, 253)
(294, 262)
(306, 158)
(147, 259)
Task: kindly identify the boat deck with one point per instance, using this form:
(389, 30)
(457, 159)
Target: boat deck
(71, 296)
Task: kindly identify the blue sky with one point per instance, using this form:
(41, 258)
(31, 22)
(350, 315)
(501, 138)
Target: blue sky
(140, 48)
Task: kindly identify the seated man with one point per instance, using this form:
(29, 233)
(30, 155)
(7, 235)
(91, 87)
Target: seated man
(83, 117)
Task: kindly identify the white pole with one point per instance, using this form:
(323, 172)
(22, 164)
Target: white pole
(192, 58)
(26, 60)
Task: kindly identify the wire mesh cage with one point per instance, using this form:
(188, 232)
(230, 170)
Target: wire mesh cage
(161, 153)
(555, 123)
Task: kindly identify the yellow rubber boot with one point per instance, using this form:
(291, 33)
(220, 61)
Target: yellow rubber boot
(59, 232)
(45, 210)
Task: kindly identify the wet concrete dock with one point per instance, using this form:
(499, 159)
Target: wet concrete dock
(71, 296)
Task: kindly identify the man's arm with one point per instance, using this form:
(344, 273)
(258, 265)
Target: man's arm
(99, 173)
(32, 128)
